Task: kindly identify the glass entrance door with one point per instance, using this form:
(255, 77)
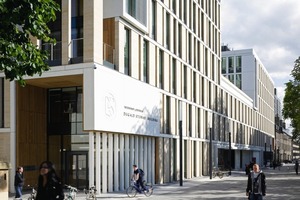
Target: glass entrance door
(77, 169)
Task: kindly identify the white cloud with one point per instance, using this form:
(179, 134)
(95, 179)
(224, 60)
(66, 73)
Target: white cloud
(270, 27)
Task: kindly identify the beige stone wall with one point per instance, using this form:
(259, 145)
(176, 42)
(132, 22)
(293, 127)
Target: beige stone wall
(93, 31)
(5, 147)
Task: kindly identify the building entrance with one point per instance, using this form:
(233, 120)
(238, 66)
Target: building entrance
(76, 173)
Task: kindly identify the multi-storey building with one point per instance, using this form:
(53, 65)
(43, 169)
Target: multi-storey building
(296, 151)
(245, 70)
(121, 73)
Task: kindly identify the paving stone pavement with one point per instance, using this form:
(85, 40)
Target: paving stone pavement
(281, 184)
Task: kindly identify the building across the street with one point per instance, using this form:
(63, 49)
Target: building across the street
(244, 69)
(123, 74)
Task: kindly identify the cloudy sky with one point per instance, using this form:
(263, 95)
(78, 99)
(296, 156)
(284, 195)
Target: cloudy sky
(270, 27)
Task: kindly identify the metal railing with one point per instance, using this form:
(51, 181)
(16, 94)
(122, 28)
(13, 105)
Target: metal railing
(76, 47)
(53, 49)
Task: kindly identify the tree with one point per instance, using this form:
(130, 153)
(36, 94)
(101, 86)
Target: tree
(20, 21)
(291, 100)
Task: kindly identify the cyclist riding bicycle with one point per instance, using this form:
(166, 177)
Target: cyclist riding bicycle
(138, 176)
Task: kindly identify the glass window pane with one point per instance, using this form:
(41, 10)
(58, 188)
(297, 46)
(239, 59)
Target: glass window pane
(238, 64)
(230, 65)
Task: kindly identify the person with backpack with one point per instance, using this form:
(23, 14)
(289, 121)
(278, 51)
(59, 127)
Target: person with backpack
(138, 176)
(256, 184)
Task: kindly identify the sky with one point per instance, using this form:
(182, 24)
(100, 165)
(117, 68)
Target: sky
(270, 27)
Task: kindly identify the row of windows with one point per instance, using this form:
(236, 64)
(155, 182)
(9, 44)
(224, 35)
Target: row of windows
(191, 85)
(186, 10)
(194, 125)
(165, 64)
(232, 64)
(184, 40)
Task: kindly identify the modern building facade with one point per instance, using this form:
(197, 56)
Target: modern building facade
(244, 69)
(121, 73)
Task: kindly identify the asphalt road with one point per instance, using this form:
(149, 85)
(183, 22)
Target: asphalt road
(283, 185)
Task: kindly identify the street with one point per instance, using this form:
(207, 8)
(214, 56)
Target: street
(280, 185)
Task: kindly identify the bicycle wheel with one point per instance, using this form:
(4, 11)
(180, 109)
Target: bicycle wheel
(149, 190)
(131, 191)
(221, 174)
(214, 174)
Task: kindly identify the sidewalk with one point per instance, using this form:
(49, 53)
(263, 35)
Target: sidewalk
(161, 189)
(229, 187)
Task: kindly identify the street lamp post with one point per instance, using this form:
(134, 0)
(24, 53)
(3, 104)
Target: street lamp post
(180, 145)
(229, 153)
(210, 144)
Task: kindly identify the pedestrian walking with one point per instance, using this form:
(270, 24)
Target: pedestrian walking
(296, 166)
(256, 184)
(49, 185)
(19, 182)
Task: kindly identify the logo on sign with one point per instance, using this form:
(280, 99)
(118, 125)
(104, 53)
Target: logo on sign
(110, 105)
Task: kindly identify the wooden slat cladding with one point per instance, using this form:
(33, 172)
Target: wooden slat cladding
(109, 32)
(31, 129)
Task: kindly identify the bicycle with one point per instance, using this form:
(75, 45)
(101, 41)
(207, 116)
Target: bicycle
(132, 190)
(72, 193)
(90, 193)
(217, 172)
(33, 193)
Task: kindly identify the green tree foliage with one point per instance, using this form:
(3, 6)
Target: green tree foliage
(291, 101)
(20, 20)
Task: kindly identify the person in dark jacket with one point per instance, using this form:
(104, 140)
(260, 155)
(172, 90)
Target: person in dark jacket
(296, 166)
(138, 177)
(256, 184)
(19, 182)
(49, 185)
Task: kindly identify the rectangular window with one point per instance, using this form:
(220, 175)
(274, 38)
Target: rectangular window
(154, 19)
(194, 86)
(76, 31)
(185, 82)
(168, 31)
(238, 64)
(145, 62)
(185, 11)
(231, 78)
(238, 81)
(190, 120)
(180, 9)
(161, 69)
(224, 65)
(127, 70)
(230, 65)
(174, 36)
(174, 6)
(168, 115)
(138, 10)
(194, 17)
(174, 68)
(131, 7)
(179, 40)
(190, 49)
